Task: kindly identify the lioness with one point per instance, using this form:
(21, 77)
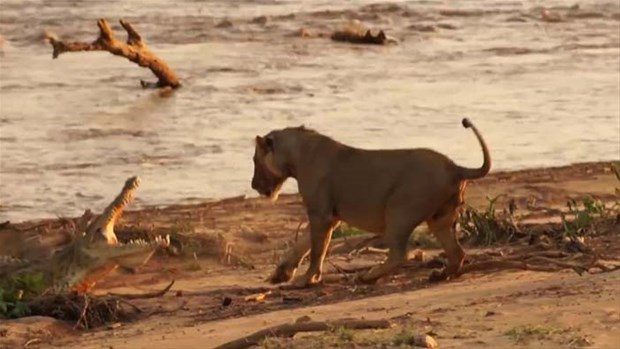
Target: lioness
(381, 191)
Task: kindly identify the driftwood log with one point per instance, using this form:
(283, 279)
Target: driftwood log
(289, 330)
(357, 33)
(360, 38)
(134, 49)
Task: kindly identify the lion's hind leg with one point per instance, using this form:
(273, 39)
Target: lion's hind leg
(399, 226)
(443, 226)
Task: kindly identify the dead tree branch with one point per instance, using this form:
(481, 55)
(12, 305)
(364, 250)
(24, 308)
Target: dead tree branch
(154, 294)
(134, 49)
(545, 261)
(289, 330)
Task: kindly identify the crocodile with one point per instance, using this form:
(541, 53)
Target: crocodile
(92, 254)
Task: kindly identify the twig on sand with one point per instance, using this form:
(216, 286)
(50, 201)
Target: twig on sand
(154, 294)
(82, 319)
(134, 49)
(352, 244)
(545, 261)
(290, 329)
(345, 274)
(298, 230)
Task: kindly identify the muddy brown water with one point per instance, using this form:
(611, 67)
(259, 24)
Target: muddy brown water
(73, 129)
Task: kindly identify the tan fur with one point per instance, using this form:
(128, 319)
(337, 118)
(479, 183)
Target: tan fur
(387, 192)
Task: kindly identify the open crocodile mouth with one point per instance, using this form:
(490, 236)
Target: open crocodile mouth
(94, 253)
(159, 241)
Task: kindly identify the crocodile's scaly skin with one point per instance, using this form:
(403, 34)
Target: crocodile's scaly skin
(79, 266)
(93, 254)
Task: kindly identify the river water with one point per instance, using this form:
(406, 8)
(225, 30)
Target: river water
(73, 129)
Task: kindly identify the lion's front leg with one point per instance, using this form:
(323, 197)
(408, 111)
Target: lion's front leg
(290, 261)
(321, 228)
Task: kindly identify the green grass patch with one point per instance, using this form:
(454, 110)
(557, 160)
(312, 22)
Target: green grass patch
(522, 334)
(345, 230)
(423, 239)
(16, 291)
(404, 337)
(585, 213)
(489, 226)
(343, 334)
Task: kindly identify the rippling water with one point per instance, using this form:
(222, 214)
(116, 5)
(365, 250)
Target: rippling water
(73, 129)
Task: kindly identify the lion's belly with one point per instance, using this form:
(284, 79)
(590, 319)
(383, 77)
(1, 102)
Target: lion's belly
(366, 223)
(362, 214)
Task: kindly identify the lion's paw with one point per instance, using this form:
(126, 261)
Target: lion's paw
(281, 274)
(305, 281)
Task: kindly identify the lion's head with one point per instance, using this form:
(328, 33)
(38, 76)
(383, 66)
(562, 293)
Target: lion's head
(270, 169)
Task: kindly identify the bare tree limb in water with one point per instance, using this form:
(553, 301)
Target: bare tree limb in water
(134, 49)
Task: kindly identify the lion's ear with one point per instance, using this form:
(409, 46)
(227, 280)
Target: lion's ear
(269, 143)
(265, 143)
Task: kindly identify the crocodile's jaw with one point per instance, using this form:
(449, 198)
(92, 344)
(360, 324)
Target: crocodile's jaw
(136, 253)
(96, 260)
(103, 226)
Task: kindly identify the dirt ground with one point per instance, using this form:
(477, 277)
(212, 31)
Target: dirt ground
(485, 309)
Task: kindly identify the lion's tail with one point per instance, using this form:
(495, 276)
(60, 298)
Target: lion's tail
(473, 173)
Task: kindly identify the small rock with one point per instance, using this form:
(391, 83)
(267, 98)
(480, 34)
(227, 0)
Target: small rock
(179, 293)
(260, 20)
(226, 23)
(425, 341)
(114, 325)
(226, 301)
(304, 318)
(550, 17)
(304, 33)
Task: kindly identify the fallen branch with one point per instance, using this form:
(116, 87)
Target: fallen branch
(545, 261)
(352, 244)
(289, 330)
(154, 294)
(134, 49)
(504, 264)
